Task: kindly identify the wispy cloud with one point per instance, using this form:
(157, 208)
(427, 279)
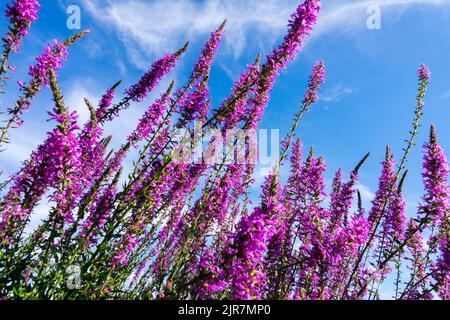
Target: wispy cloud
(366, 197)
(158, 26)
(366, 194)
(336, 93)
(342, 16)
(23, 142)
(154, 27)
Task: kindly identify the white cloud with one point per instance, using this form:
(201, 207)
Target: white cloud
(341, 16)
(366, 197)
(23, 142)
(366, 194)
(336, 93)
(158, 26)
(155, 27)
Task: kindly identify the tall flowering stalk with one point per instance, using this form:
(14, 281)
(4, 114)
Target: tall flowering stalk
(291, 40)
(304, 192)
(60, 152)
(436, 209)
(416, 247)
(233, 109)
(191, 105)
(151, 119)
(174, 228)
(195, 105)
(443, 271)
(51, 60)
(140, 90)
(90, 139)
(392, 225)
(247, 274)
(435, 176)
(424, 76)
(387, 179)
(315, 80)
(341, 206)
(21, 15)
(300, 27)
(203, 65)
(69, 152)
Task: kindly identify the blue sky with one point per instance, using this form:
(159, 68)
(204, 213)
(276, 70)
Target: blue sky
(367, 101)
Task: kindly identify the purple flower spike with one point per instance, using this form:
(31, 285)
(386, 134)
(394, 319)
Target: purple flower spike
(21, 14)
(139, 91)
(316, 79)
(424, 73)
(51, 59)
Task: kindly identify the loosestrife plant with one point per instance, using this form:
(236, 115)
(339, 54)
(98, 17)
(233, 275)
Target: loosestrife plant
(179, 227)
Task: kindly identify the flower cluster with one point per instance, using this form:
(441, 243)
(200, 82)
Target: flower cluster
(21, 14)
(139, 91)
(51, 59)
(316, 79)
(424, 73)
(162, 227)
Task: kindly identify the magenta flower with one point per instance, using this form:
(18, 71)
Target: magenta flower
(304, 193)
(65, 155)
(23, 11)
(209, 273)
(233, 109)
(436, 207)
(247, 275)
(151, 78)
(45, 170)
(203, 65)
(386, 185)
(436, 170)
(424, 73)
(93, 149)
(98, 213)
(340, 210)
(442, 274)
(315, 80)
(300, 26)
(124, 250)
(279, 258)
(51, 59)
(416, 247)
(249, 244)
(195, 105)
(21, 14)
(102, 111)
(336, 188)
(394, 225)
(150, 120)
